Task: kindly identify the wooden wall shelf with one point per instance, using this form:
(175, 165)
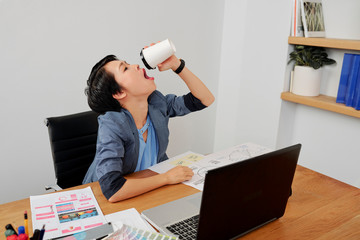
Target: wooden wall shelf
(326, 42)
(322, 102)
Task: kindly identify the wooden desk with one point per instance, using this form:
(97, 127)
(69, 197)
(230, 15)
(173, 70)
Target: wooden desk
(320, 208)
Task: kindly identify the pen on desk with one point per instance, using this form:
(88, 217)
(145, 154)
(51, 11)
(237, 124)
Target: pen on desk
(26, 223)
(42, 232)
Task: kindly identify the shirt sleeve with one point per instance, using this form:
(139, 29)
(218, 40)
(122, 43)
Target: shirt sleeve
(110, 183)
(179, 106)
(110, 153)
(193, 103)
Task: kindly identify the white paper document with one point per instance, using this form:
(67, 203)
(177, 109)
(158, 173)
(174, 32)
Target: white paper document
(65, 213)
(129, 217)
(200, 164)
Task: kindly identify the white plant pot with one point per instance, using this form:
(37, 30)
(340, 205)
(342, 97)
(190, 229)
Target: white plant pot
(306, 81)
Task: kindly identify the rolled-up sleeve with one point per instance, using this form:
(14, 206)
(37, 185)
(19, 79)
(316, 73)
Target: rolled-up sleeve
(193, 103)
(110, 183)
(182, 105)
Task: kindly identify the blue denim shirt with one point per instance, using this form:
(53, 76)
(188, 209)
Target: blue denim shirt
(117, 148)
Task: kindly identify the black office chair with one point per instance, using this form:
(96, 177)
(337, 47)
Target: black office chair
(73, 146)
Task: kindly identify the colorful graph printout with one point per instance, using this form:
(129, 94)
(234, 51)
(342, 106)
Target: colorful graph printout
(66, 207)
(65, 213)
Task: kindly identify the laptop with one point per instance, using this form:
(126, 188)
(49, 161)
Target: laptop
(236, 199)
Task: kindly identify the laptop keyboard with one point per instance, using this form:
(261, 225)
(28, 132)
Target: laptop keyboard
(186, 229)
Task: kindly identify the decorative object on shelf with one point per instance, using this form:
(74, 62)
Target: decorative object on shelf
(297, 29)
(322, 101)
(307, 71)
(313, 18)
(349, 85)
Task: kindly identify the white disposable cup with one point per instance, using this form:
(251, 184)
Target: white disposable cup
(156, 54)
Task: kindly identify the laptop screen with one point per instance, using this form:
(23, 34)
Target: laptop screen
(243, 196)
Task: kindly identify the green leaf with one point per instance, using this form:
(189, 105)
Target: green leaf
(312, 56)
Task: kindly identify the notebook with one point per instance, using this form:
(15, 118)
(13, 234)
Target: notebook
(236, 199)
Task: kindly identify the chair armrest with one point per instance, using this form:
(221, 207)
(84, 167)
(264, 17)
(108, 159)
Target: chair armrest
(54, 187)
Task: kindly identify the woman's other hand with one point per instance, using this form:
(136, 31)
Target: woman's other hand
(178, 174)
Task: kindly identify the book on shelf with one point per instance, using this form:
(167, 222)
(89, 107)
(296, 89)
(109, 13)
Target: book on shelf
(352, 81)
(356, 99)
(344, 77)
(349, 84)
(297, 29)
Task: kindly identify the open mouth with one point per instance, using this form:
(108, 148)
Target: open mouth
(146, 76)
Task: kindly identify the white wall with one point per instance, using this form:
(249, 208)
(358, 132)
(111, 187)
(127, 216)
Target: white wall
(47, 49)
(254, 72)
(253, 62)
(330, 140)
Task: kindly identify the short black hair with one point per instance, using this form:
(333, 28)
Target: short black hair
(101, 85)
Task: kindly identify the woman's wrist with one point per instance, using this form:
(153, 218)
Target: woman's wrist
(181, 67)
(164, 178)
(176, 65)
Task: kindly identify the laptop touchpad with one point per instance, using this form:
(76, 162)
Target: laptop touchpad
(196, 201)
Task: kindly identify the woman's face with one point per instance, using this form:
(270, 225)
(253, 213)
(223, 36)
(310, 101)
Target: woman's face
(132, 79)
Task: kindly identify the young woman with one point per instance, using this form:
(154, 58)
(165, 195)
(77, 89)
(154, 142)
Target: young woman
(133, 125)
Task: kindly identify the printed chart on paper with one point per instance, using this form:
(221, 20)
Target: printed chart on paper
(200, 164)
(65, 213)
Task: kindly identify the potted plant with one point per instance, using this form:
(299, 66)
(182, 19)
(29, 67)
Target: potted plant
(307, 71)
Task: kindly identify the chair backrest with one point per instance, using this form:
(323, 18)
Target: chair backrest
(73, 145)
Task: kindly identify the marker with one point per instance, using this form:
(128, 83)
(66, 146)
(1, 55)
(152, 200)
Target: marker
(10, 227)
(22, 235)
(26, 223)
(42, 232)
(9, 232)
(12, 237)
(21, 230)
(36, 234)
